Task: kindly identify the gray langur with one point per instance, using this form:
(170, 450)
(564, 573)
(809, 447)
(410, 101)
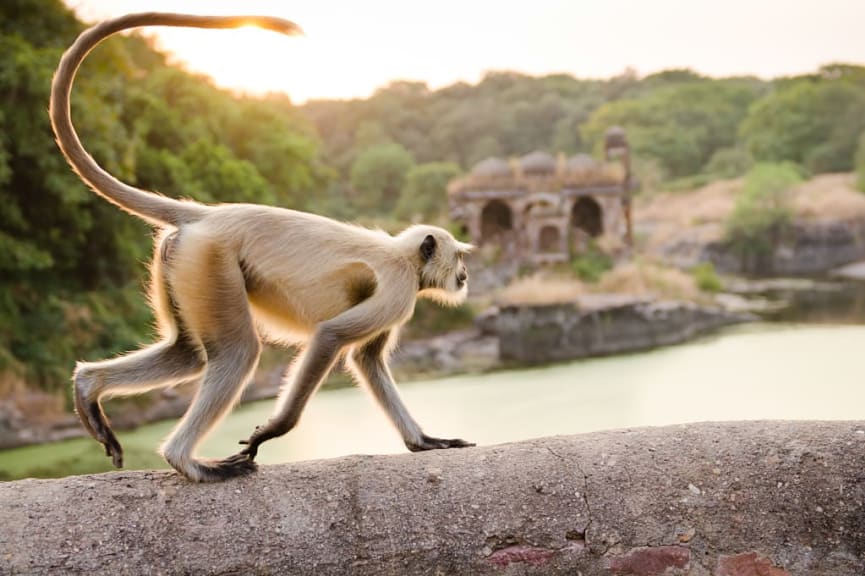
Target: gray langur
(225, 277)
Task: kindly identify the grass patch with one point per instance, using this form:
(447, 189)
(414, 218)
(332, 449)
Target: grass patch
(541, 289)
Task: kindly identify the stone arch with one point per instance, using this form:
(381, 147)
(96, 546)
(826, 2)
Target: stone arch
(549, 240)
(496, 220)
(588, 216)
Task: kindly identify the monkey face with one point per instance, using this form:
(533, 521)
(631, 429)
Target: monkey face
(443, 275)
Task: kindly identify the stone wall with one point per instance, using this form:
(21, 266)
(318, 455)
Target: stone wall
(534, 334)
(734, 499)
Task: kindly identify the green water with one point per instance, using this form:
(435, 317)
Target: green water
(752, 372)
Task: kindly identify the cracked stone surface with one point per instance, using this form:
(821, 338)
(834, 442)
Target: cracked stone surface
(733, 499)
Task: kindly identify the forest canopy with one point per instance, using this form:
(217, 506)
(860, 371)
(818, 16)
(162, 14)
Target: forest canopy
(71, 267)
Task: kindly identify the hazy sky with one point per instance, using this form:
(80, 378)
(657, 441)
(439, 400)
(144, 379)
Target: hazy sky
(353, 47)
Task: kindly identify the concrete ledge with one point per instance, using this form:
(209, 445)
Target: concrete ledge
(734, 499)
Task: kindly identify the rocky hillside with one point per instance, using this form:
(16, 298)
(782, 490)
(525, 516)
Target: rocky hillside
(827, 229)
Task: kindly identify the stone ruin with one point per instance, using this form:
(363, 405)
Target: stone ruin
(542, 209)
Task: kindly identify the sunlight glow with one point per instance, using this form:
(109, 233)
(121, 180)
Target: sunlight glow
(353, 48)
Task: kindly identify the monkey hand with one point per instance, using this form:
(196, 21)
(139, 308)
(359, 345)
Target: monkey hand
(251, 450)
(258, 436)
(430, 443)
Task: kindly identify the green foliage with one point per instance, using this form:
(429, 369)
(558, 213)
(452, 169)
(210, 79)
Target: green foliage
(814, 123)
(505, 114)
(706, 277)
(425, 193)
(680, 126)
(70, 263)
(378, 176)
(687, 128)
(729, 162)
(762, 210)
(218, 176)
(591, 264)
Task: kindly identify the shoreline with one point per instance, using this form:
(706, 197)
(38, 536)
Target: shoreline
(597, 325)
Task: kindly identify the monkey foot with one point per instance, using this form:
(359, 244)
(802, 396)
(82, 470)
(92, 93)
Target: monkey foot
(231, 467)
(94, 420)
(430, 443)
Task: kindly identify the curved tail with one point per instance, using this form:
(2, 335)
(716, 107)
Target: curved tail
(150, 206)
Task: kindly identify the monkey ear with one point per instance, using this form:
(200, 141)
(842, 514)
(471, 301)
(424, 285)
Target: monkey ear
(428, 248)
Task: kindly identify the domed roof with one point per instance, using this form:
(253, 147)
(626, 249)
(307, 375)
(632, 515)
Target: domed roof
(582, 163)
(616, 136)
(492, 167)
(538, 162)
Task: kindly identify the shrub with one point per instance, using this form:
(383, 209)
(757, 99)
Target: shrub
(729, 162)
(762, 211)
(591, 265)
(706, 278)
(425, 194)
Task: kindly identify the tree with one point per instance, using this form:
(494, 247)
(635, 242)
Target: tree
(681, 126)
(425, 193)
(218, 176)
(729, 162)
(762, 212)
(70, 260)
(378, 176)
(814, 123)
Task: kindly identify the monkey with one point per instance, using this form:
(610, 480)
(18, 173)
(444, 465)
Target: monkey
(226, 278)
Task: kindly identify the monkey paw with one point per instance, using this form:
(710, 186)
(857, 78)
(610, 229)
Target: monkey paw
(252, 443)
(220, 470)
(251, 450)
(94, 421)
(430, 443)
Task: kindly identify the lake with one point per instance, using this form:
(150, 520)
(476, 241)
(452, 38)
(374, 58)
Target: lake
(759, 371)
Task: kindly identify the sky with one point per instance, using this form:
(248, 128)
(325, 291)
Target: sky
(353, 47)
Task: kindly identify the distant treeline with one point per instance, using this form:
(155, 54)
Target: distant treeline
(683, 127)
(70, 264)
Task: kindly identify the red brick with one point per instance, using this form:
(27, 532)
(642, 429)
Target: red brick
(651, 561)
(748, 564)
(521, 553)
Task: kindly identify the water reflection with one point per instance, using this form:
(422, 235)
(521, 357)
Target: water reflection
(752, 372)
(766, 371)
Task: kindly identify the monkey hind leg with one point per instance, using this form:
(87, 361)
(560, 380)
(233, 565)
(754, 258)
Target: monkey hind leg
(160, 365)
(227, 372)
(177, 358)
(210, 292)
(95, 421)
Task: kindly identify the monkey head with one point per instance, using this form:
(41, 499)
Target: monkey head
(442, 273)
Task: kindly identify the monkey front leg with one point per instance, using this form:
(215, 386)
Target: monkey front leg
(314, 364)
(369, 366)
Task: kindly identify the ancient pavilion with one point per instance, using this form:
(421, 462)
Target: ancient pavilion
(544, 209)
